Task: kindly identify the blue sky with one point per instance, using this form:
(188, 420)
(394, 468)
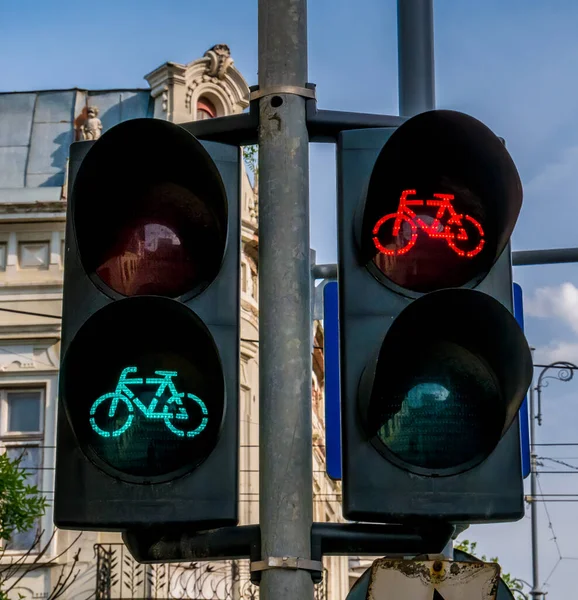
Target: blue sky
(511, 63)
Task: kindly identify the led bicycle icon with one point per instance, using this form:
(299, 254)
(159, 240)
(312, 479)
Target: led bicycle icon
(454, 232)
(173, 409)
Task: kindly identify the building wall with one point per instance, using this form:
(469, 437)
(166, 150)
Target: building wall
(36, 129)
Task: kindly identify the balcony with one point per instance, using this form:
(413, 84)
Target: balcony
(119, 576)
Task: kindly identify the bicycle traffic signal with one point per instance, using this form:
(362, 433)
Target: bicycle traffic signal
(148, 419)
(433, 371)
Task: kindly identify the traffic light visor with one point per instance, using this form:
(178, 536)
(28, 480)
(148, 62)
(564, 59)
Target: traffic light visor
(143, 389)
(442, 202)
(149, 211)
(449, 379)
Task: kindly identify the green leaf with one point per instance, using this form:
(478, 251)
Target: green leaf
(21, 504)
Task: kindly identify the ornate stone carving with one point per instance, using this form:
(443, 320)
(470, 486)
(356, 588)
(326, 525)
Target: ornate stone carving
(220, 61)
(176, 88)
(92, 126)
(254, 207)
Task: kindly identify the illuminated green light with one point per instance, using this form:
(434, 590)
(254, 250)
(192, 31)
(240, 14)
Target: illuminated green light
(173, 408)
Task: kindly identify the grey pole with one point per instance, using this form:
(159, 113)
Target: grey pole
(535, 593)
(415, 43)
(285, 478)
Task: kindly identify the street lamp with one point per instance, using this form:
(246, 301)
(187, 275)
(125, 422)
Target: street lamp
(565, 372)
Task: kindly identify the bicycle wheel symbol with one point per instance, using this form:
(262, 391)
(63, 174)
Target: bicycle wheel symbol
(171, 418)
(400, 229)
(117, 424)
(468, 237)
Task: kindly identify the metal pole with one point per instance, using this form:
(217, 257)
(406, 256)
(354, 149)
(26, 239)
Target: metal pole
(415, 42)
(285, 478)
(535, 593)
(550, 256)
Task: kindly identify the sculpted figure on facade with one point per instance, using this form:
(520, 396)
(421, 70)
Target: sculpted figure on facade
(92, 127)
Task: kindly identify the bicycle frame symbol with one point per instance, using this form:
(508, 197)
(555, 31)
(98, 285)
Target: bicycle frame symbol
(173, 409)
(464, 244)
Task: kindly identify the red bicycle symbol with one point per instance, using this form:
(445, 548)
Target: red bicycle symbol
(453, 231)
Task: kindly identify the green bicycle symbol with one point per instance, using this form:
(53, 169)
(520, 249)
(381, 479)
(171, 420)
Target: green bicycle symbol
(124, 395)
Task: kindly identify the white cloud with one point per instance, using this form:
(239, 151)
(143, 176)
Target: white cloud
(559, 302)
(559, 177)
(548, 214)
(556, 351)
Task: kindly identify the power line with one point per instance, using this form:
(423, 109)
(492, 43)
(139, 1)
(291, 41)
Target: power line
(541, 472)
(26, 357)
(554, 538)
(558, 461)
(559, 444)
(32, 314)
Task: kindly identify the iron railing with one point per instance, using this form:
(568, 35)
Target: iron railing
(120, 577)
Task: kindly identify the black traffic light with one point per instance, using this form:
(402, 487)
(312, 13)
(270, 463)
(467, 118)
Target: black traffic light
(433, 365)
(148, 413)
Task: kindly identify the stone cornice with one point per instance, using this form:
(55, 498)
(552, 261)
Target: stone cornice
(33, 207)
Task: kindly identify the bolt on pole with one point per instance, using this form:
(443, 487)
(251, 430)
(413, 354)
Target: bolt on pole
(285, 491)
(415, 43)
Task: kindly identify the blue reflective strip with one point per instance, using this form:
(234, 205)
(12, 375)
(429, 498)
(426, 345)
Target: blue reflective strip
(524, 419)
(332, 390)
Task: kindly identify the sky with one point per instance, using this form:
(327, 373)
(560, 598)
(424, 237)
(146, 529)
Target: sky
(511, 63)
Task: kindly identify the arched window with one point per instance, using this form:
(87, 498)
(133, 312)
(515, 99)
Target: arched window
(205, 109)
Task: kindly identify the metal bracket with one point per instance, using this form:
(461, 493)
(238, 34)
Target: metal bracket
(287, 562)
(283, 89)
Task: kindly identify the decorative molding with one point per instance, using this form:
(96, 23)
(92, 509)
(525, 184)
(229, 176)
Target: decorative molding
(29, 357)
(249, 350)
(167, 84)
(254, 208)
(220, 60)
(176, 88)
(33, 207)
(250, 307)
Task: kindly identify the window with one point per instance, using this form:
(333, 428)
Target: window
(33, 255)
(2, 256)
(22, 431)
(23, 412)
(205, 109)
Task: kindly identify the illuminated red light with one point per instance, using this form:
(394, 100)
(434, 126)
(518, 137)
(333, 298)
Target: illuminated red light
(453, 231)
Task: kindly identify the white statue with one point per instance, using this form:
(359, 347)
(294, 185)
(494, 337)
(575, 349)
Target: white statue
(92, 127)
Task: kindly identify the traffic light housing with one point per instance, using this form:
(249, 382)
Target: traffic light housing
(148, 407)
(433, 364)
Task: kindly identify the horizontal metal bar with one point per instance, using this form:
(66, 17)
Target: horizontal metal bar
(351, 539)
(326, 125)
(322, 125)
(324, 271)
(327, 539)
(551, 256)
(239, 130)
(226, 543)
(520, 258)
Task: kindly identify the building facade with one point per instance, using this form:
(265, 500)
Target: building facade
(36, 129)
